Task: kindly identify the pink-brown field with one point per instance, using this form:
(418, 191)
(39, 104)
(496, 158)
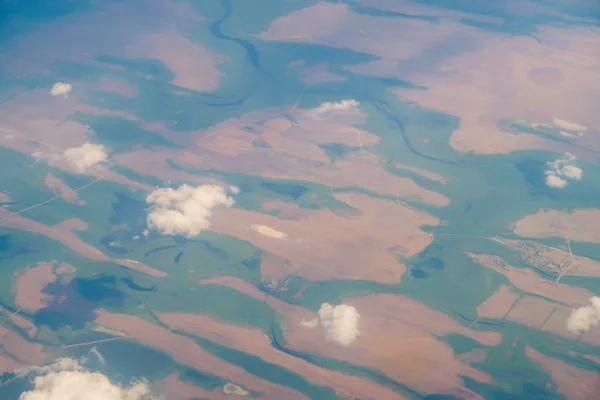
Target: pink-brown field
(175, 389)
(396, 337)
(149, 29)
(18, 352)
(581, 225)
(37, 124)
(572, 382)
(59, 187)
(422, 172)
(529, 281)
(256, 342)
(546, 305)
(553, 260)
(29, 285)
(20, 321)
(63, 233)
(489, 78)
(322, 245)
(188, 352)
(293, 152)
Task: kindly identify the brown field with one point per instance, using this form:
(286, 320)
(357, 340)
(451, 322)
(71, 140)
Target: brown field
(58, 186)
(29, 285)
(37, 124)
(292, 152)
(149, 29)
(256, 342)
(195, 68)
(152, 163)
(422, 172)
(63, 233)
(473, 356)
(24, 353)
(275, 269)
(529, 281)
(7, 363)
(175, 389)
(20, 321)
(323, 245)
(531, 311)
(116, 85)
(397, 338)
(553, 260)
(498, 304)
(289, 310)
(490, 77)
(188, 352)
(548, 312)
(580, 225)
(572, 382)
(315, 75)
(409, 7)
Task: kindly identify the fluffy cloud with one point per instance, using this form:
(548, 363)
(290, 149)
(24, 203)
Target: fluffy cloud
(561, 170)
(568, 125)
(584, 318)
(66, 379)
(60, 88)
(339, 322)
(86, 156)
(555, 181)
(342, 105)
(185, 210)
(309, 323)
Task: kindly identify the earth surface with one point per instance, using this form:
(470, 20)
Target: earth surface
(299, 199)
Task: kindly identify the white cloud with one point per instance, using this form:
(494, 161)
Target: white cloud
(555, 181)
(562, 169)
(339, 322)
(328, 106)
(584, 318)
(186, 210)
(571, 172)
(66, 379)
(309, 323)
(60, 88)
(86, 156)
(568, 125)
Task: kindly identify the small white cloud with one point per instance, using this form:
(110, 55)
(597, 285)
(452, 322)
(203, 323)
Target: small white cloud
(562, 169)
(568, 125)
(60, 88)
(186, 210)
(329, 106)
(571, 172)
(66, 379)
(339, 322)
(584, 318)
(309, 323)
(86, 156)
(555, 181)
